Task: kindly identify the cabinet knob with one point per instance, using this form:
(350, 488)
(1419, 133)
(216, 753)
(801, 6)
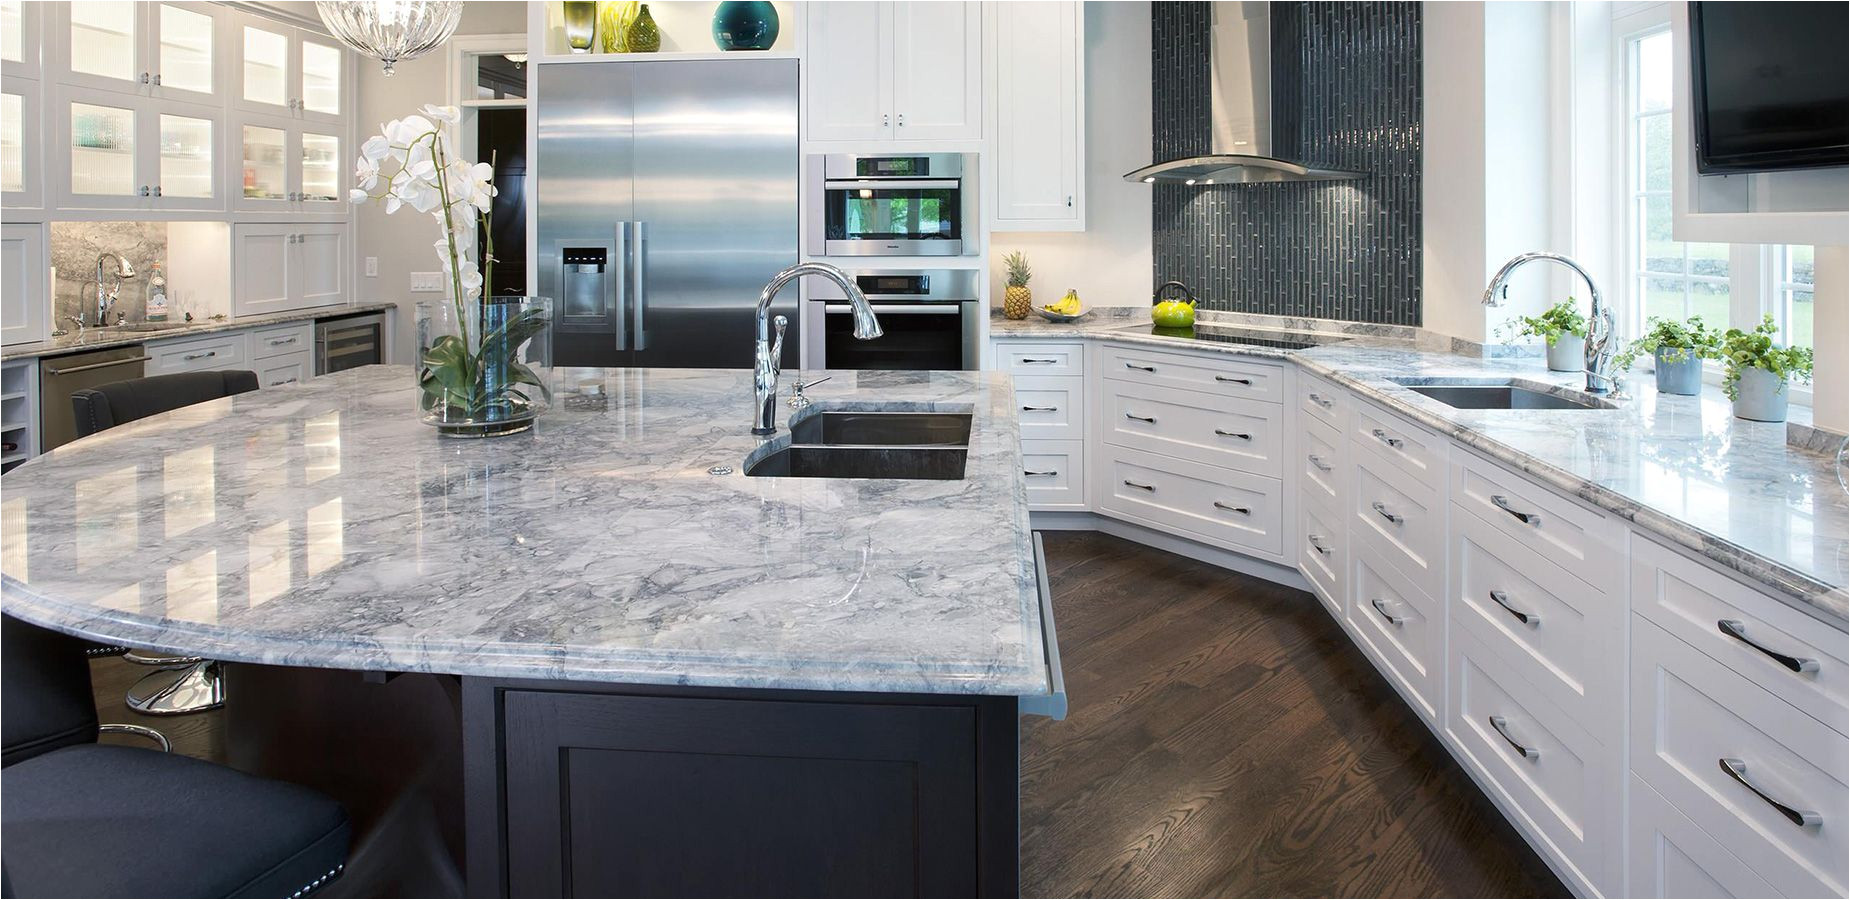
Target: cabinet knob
(157, 190)
(157, 80)
(902, 120)
(144, 191)
(1069, 200)
(144, 78)
(885, 120)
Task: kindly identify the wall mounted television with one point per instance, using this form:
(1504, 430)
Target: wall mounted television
(1770, 85)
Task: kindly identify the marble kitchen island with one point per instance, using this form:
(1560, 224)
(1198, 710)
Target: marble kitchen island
(673, 678)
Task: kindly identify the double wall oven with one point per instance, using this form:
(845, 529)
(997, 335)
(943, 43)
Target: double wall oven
(930, 318)
(913, 205)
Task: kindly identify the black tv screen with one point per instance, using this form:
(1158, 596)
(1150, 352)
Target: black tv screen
(1771, 85)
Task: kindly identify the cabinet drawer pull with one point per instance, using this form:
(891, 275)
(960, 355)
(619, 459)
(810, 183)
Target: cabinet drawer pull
(1382, 436)
(1502, 726)
(1149, 419)
(1737, 770)
(1381, 508)
(1235, 509)
(1225, 380)
(1233, 434)
(1317, 461)
(1040, 409)
(1316, 543)
(1140, 486)
(1502, 599)
(192, 356)
(1033, 474)
(1734, 629)
(1026, 361)
(283, 382)
(281, 341)
(1380, 606)
(1139, 368)
(1503, 503)
(1319, 400)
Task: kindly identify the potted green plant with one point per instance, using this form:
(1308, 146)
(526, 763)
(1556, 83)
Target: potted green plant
(1563, 328)
(1756, 370)
(1677, 350)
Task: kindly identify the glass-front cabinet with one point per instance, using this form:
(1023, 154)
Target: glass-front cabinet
(127, 152)
(289, 166)
(20, 45)
(171, 50)
(22, 129)
(288, 71)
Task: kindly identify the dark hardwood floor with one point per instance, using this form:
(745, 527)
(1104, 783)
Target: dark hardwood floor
(1226, 739)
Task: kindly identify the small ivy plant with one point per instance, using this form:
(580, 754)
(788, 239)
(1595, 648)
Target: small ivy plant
(1678, 340)
(1561, 318)
(1742, 350)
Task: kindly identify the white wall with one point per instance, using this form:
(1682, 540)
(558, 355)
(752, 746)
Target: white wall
(1831, 342)
(1453, 267)
(1110, 262)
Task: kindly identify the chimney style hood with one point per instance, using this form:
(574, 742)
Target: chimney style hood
(1240, 64)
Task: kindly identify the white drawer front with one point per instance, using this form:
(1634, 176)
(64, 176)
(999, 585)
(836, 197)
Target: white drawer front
(1697, 725)
(1755, 635)
(1055, 472)
(1051, 409)
(277, 371)
(1324, 464)
(1573, 537)
(1401, 521)
(1416, 451)
(1324, 402)
(1401, 629)
(1218, 431)
(1670, 857)
(282, 340)
(1565, 782)
(1220, 374)
(1041, 358)
(1226, 506)
(1321, 557)
(225, 351)
(1553, 629)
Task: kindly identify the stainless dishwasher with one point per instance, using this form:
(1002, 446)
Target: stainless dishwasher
(61, 376)
(349, 343)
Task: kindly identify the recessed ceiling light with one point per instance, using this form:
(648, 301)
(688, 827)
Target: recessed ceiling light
(1190, 181)
(1149, 179)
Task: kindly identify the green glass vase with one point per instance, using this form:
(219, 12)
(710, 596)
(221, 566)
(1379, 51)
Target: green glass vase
(613, 24)
(643, 35)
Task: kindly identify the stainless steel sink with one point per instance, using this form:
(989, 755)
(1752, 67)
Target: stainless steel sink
(868, 443)
(1502, 394)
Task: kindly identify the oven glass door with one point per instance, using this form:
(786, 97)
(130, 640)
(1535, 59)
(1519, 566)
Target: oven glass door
(893, 211)
(915, 336)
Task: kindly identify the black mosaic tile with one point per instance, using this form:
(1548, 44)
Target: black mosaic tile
(1346, 94)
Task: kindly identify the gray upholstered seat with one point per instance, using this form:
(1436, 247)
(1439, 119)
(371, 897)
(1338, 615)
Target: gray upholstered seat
(113, 404)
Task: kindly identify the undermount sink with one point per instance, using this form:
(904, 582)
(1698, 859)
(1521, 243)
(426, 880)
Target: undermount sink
(869, 443)
(1501, 394)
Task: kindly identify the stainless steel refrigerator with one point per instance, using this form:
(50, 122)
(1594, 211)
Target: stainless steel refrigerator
(667, 197)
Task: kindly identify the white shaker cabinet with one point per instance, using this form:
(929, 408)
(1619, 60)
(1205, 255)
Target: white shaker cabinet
(276, 268)
(164, 51)
(25, 305)
(1037, 115)
(850, 71)
(906, 71)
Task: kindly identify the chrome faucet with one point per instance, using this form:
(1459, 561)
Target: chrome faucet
(767, 354)
(107, 301)
(1602, 334)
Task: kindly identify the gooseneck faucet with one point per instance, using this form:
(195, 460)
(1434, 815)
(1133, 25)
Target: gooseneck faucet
(767, 354)
(107, 301)
(1601, 332)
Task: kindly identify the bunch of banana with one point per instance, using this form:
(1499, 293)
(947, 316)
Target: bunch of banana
(1068, 305)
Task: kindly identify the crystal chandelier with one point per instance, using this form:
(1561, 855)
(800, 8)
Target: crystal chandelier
(391, 30)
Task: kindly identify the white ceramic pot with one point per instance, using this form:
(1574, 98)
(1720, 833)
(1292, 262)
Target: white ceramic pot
(1760, 396)
(1568, 353)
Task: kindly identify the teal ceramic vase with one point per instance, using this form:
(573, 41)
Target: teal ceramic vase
(745, 25)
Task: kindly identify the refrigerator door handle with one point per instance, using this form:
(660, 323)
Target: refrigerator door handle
(639, 288)
(618, 278)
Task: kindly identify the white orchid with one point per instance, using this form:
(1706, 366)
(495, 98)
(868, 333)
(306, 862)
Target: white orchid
(366, 173)
(448, 115)
(410, 164)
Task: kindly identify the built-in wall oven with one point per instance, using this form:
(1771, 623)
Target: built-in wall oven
(921, 204)
(930, 319)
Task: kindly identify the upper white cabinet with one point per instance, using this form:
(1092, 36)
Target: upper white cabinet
(288, 165)
(1037, 172)
(170, 51)
(24, 310)
(286, 71)
(21, 27)
(905, 71)
(135, 153)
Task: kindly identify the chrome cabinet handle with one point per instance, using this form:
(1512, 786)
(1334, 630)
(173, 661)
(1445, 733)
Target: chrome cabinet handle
(1316, 543)
(1734, 629)
(1233, 434)
(144, 78)
(1317, 461)
(1502, 726)
(281, 341)
(192, 356)
(1382, 509)
(902, 120)
(1139, 368)
(1380, 606)
(101, 365)
(886, 119)
(1503, 503)
(1037, 362)
(283, 382)
(1225, 380)
(1318, 399)
(145, 191)
(1382, 436)
(1069, 200)
(157, 80)
(1033, 474)
(1737, 770)
(1149, 419)
(157, 190)
(1502, 599)
(1040, 409)
(1140, 486)
(1234, 509)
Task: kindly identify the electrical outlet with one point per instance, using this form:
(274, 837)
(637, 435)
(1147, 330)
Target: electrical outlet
(372, 267)
(427, 282)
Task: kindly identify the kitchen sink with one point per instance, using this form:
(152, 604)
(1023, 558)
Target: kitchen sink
(1501, 394)
(868, 443)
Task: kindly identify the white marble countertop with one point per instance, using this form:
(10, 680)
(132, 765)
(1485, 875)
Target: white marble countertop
(103, 338)
(1682, 469)
(323, 524)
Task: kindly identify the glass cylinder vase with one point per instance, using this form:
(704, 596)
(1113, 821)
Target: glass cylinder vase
(485, 365)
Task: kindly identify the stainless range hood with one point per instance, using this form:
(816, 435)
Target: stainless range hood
(1240, 62)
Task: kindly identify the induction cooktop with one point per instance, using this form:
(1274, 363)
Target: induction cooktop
(1220, 334)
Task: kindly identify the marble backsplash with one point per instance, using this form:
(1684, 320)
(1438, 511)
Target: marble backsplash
(74, 249)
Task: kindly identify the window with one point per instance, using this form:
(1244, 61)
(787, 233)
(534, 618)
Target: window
(1792, 293)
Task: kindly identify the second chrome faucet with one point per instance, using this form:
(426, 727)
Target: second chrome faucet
(1602, 336)
(767, 353)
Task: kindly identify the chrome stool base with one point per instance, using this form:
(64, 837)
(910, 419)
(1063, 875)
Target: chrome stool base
(138, 731)
(177, 691)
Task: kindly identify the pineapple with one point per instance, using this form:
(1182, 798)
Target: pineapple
(1017, 301)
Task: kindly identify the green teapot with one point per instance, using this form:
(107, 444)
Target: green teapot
(1174, 313)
